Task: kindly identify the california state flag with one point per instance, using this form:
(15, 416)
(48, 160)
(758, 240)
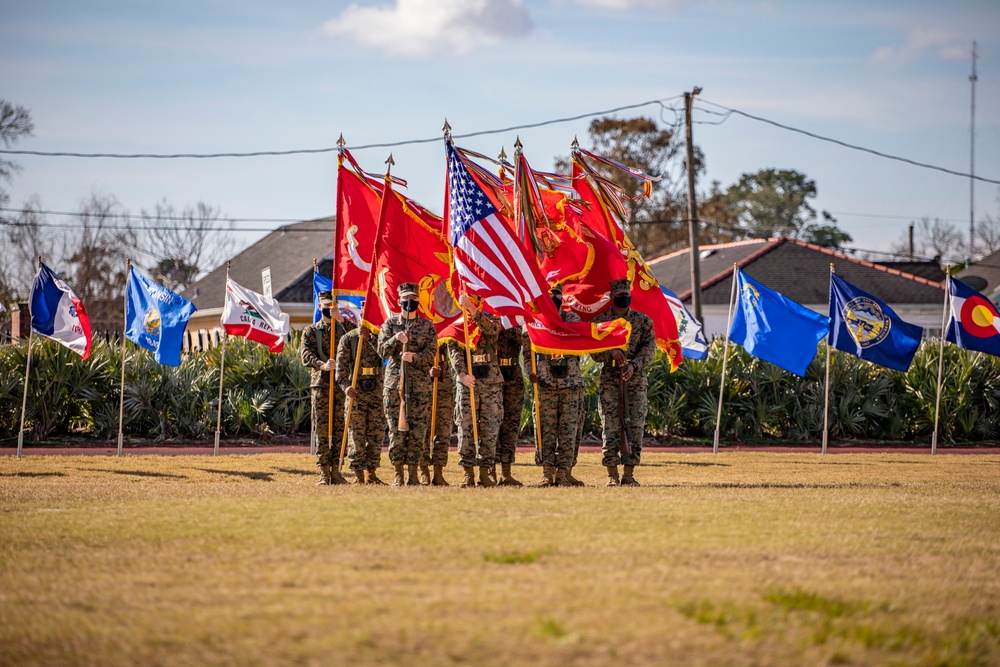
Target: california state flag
(254, 316)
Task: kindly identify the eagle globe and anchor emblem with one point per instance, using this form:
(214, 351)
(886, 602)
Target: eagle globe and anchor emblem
(866, 322)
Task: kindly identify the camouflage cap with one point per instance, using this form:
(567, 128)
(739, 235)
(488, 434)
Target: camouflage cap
(620, 288)
(556, 290)
(326, 297)
(408, 289)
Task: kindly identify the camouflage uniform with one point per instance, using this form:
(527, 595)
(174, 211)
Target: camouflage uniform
(508, 350)
(315, 350)
(641, 348)
(366, 429)
(404, 447)
(489, 399)
(435, 452)
(560, 400)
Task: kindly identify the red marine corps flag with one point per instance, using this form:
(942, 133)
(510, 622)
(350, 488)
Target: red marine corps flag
(359, 196)
(493, 264)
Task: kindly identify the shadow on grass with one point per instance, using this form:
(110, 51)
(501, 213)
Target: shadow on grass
(33, 474)
(259, 476)
(293, 471)
(777, 485)
(136, 473)
(694, 464)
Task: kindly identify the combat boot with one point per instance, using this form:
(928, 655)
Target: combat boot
(560, 478)
(486, 478)
(324, 476)
(373, 478)
(613, 476)
(470, 478)
(627, 478)
(573, 481)
(411, 476)
(398, 479)
(507, 479)
(425, 475)
(439, 477)
(359, 478)
(336, 477)
(548, 476)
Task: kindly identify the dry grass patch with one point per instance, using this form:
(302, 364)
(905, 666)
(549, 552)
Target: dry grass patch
(739, 558)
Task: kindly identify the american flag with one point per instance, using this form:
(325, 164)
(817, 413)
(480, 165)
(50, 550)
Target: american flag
(488, 257)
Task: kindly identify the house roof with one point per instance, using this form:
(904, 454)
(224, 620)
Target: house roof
(799, 270)
(988, 268)
(289, 252)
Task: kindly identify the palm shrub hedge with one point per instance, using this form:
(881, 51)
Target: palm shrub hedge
(267, 394)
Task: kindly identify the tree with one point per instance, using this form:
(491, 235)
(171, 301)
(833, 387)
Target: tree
(24, 239)
(658, 224)
(179, 246)
(773, 202)
(15, 122)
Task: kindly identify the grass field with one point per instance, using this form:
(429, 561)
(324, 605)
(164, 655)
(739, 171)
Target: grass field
(733, 559)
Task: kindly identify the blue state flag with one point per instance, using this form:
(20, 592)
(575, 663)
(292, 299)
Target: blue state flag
(349, 305)
(975, 323)
(868, 328)
(772, 327)
(155, 318)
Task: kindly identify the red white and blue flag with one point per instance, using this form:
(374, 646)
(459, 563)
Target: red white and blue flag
(975, 323)
(57, 313)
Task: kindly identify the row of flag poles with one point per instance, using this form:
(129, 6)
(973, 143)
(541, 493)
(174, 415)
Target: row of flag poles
(772, 327)
(506, 237)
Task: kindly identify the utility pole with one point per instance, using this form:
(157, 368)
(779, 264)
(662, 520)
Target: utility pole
(692, 209)
(972, 155)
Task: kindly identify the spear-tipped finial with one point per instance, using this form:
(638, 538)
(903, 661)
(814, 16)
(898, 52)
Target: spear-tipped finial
(517, 144)
(447, 128)
(340, 142)
(389, 161)
(503, 154)
(576, 144)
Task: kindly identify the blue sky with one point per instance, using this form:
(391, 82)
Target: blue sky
(235, 76)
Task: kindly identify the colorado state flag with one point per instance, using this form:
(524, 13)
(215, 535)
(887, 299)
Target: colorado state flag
(772, 327)
(975, 324)
(155, 318)
(868, 328)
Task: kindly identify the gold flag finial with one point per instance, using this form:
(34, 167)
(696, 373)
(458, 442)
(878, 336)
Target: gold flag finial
(389, 161)
(503, 154)
(340, 142)
(517, 144)
(576, 144)
(446, 129)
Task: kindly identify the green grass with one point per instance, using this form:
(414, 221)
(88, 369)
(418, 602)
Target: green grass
(735, 559)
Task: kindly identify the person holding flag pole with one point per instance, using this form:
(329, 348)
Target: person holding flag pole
(56, 313)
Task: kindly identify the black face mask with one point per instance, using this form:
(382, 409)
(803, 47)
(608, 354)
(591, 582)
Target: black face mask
(409, 305)
(558, 301)
(325, 312)
(623, 301)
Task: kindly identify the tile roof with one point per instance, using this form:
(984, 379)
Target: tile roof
(289, 252)
(799, 270)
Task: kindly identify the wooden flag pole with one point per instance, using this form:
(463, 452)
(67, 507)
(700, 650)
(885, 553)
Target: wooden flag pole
(434, 401)
(222, 370)
(121, 393)
(313, 432)
(725, 360)
(350, 400)
(27, 374)
(826, 391)
(472, 389)
(333, 323)
(944, 323)
(538, 408)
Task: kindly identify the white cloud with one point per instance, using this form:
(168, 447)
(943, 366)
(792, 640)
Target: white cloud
(423, 27)
(922, 41)
(626, 4)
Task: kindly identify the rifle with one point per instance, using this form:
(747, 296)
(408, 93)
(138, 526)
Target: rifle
(624, 448)
(403, 423)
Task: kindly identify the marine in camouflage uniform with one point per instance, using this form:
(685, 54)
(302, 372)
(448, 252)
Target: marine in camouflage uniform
(485, 376)
(316, 353)
(508, 351)
(421, 344)
(630, 365)
(560, 397)
(435, 450)
(366, 428)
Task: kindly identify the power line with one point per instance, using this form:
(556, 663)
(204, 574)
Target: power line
(301, 151)
(79, 214)
(845, 144)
